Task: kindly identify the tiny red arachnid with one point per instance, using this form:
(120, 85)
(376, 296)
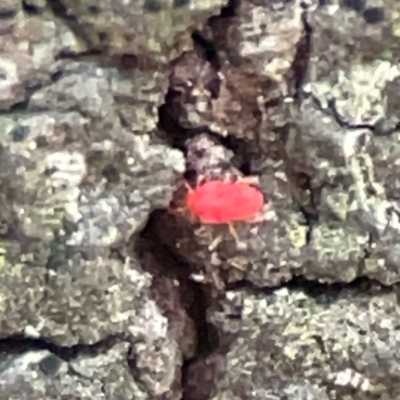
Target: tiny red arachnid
(226, 202)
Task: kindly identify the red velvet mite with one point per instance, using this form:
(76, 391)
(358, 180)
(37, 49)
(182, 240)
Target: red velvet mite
(226, 202)
(218, 202)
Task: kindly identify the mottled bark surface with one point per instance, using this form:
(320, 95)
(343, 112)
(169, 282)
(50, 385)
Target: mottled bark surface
(108, 291)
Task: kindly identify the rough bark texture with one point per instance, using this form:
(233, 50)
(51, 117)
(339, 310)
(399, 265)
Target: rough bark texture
(107, 291)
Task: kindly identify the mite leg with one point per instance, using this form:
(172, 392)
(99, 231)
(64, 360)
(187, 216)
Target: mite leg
(214, 244)
(188, 187)
(265, 214)
(251, 180)
(200, 180)
(233, 232)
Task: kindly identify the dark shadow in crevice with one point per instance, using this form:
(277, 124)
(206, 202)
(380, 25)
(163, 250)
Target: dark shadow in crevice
(31, 9)
(60, 10)
(299, 68)
(194, 297)
(177, 136)
(208, 49)
(8, 14)
(19, 344)
(323, 292)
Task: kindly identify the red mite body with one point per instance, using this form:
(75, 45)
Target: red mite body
(219, 202)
